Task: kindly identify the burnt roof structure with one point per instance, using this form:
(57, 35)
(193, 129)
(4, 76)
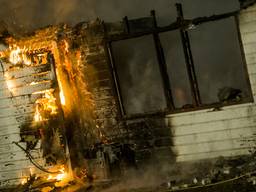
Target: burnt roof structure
(246, 3)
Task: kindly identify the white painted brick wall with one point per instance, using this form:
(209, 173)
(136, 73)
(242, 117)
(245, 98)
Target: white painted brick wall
(208, 134)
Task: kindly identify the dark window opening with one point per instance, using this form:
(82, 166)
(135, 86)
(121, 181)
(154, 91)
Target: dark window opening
(218, 62)
(176, 68)
(216, 55)
(139, 75)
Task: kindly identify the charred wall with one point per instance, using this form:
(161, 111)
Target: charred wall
(100, 140)
(136, 144)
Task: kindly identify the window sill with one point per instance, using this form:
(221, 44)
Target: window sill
(204, 108)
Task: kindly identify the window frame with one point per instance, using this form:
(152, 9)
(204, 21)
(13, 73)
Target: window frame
(155, 31)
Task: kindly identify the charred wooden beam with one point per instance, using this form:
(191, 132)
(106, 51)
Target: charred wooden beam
(189, 59)
(162, 66)
(185, 24)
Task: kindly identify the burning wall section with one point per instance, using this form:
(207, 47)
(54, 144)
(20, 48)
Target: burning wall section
(31, 115)
(100, 143)
(82, 86)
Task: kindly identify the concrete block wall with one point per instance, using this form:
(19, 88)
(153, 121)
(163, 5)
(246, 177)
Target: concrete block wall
(208, 134)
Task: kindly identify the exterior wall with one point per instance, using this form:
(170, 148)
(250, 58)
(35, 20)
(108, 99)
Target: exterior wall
(91, 111)
(97, 74)
(17, 107)
(208, 134)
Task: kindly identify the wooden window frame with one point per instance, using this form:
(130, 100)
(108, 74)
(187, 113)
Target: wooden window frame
(182, 25)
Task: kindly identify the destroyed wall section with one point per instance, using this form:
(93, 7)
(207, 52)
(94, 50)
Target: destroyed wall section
(97, 75)
(17, 109)
(21, 87)
(208, 133)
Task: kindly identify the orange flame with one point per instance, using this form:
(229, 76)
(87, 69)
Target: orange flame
(61, 92)
(18, 55)
(66, 46)
(45, 104)
(37, 116)
(59, 177)
(62, 97)
(24, 181)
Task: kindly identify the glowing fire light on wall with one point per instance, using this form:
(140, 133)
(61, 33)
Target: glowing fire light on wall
(37, 116)
(59, 177)
(66, 46)
(9, 83)
(61, 93)
(24, 181)
(46, 104)
(18, 55)
(62, 97)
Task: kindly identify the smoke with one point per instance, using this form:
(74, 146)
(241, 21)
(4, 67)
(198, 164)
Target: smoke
(27, 15)
(139, 75)
(22, 16)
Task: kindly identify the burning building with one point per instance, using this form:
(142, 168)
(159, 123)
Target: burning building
(99, 101)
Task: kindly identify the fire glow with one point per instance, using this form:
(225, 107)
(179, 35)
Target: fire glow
(58, 177)
(46, 104)
(18, 55)
(10, 84)
(62, 97)
(37, 116)
(61, 93)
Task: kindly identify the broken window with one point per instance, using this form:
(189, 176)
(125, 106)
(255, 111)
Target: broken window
(139, 75)
(203, 65)
(176, 68)
(218, 62)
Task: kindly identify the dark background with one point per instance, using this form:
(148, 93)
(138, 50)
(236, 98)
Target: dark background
(32, 14)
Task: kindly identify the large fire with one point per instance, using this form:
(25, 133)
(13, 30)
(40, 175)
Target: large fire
(10, 84)
(46, 106)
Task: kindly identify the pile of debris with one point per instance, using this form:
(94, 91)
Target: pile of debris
(225, 173)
